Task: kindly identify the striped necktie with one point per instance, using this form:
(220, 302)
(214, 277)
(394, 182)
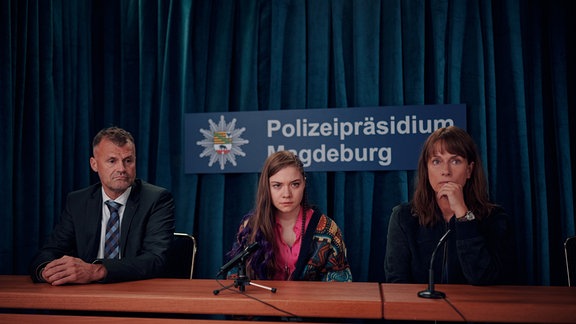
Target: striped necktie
(112, 240)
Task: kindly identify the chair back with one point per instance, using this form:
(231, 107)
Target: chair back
(570, 255)
(181, 257)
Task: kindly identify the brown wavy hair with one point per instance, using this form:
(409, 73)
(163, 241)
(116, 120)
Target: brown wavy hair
(453, 140)
(263, 220)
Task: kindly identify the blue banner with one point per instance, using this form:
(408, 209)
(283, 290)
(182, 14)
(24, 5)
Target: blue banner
(335, 139)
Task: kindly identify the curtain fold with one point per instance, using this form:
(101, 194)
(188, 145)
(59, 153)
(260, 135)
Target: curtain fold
(69, 69)
(7, 125)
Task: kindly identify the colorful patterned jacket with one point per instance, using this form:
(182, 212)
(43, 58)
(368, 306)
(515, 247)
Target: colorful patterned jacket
(322, 255)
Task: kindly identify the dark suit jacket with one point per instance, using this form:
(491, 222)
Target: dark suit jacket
(147, 232)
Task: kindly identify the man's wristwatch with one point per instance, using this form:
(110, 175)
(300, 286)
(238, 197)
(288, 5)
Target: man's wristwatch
(467, 217)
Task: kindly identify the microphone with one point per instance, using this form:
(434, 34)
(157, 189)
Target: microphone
(430, 292)
(238, 258)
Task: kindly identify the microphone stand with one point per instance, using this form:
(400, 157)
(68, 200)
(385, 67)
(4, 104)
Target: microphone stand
(430, 292)
(242, 280)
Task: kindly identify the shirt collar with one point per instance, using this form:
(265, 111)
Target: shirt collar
(122, 199)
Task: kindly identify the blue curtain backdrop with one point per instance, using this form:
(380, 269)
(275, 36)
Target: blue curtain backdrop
(70, 68)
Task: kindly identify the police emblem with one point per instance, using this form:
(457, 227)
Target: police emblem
(222, 142)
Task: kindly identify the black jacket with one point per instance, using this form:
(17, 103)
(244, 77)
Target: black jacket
(147, 232)
(476, 252)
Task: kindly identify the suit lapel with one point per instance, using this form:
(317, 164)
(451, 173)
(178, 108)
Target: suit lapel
(93, 223)
(129, 211)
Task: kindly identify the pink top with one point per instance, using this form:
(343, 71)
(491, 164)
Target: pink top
(287, 256)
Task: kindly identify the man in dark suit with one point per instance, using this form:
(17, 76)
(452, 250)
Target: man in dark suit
(97, 243)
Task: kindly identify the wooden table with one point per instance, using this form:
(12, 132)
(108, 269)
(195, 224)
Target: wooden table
(130, 302)
(181, 296)
(401, 302)
(525, 304)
